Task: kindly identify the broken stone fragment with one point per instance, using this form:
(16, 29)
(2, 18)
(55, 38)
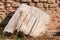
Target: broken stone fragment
(29, 20)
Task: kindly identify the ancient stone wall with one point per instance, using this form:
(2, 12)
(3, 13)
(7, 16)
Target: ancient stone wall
(8, 6)
(52, 7)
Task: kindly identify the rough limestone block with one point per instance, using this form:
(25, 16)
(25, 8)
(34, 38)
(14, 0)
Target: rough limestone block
(36, 25)
(29, 20)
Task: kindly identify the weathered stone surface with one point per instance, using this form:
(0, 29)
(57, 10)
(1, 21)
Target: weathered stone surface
(32, 4)
(15, 4)
(29, 20)
(46, 5)
(11, 26)
(52, 9)
(40, 5)
(51, 1)
(10, 1)
(2, 5)
(53, 5)
(8, 4)
(25, 0)
(49, 10)
(43, 0)
(30, 28)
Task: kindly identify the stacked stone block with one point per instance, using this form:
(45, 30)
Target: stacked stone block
(52, 7)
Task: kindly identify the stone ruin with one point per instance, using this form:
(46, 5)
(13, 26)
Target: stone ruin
(29, 20)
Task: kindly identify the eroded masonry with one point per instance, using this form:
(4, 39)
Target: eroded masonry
(51, 7)
(28, 20)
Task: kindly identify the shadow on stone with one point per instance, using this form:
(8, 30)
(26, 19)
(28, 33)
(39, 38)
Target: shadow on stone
(20, 35)
(6, 20)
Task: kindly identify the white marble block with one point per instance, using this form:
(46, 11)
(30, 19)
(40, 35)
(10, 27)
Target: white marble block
(29, 20)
